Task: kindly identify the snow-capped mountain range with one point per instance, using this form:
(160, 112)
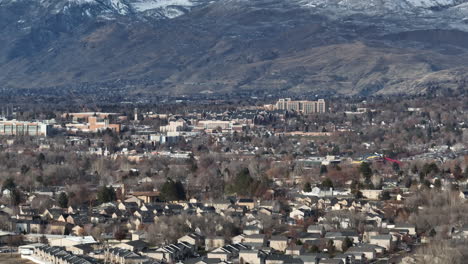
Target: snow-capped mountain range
(108, 9)
(183, 46)
(420, 14)
(175, 8)
(382, 5)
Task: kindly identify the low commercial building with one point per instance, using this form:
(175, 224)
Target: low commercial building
(23, 128)
(93, 122)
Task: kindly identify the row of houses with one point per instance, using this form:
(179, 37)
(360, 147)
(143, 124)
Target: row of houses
(58, 255)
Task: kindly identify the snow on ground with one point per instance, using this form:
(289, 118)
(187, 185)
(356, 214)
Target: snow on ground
(144, 5)
(80, 2)
(430, 3)
(119, 6)
(378, 4)
(172, 12)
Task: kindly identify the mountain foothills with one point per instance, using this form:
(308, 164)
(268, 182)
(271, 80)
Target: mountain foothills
(193, 46)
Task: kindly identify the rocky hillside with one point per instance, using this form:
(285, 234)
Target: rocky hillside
(193, 46)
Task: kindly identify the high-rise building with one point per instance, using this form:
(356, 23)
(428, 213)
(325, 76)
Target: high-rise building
(305, 107)
(321, 106)
(7, 112)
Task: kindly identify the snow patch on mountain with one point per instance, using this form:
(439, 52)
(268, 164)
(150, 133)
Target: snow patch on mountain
(430, 3)
(380, 6)
(121, 7)
(113, 6)
(392, 16)
(172, 12)
(81, 2)
(143, 5)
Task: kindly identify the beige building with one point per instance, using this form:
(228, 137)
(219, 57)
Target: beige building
(214, 242)
(256, 238)
(250, 256)
(305, 107)
(247, 202)
(279, 243)
(173, 126)
(371, 194)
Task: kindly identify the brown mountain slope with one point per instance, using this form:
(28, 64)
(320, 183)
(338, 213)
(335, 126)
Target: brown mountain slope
(222, 51)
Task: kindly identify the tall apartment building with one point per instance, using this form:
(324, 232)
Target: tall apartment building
(305, 107)
(22, 128)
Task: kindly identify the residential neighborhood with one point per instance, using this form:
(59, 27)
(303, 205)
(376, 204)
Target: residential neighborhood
(282, 181)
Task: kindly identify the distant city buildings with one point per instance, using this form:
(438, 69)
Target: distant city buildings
(305, 107)
(96, 124)
(221, 125)
(23, 128)
(92, 121)
(86, 115)
(174, 126)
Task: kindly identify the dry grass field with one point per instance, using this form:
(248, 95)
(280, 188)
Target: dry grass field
(7, 258)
